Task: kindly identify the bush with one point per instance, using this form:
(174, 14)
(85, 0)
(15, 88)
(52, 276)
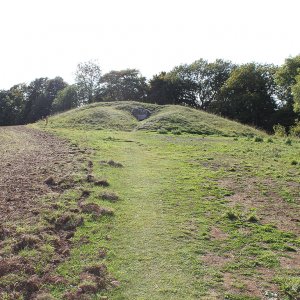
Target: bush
(232, 215)
(162, 131)
(176, 132)
(288, 142)
(279, 130)
(258, 139)
(295, 130)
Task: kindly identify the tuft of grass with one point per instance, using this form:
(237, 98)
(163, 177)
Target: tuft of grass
(288, 142)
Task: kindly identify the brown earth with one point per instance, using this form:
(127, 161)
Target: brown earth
(36, 169)
(34, 164)
(29, 158)
(271, 207)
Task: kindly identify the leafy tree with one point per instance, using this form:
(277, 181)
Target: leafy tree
(66, 99)
(41, 93)
(88, 81)
(296, 94)
(285, 78)
(248, 95)
(124, 85)
(5, 109)
(199, 83)
(18, 98)
(162, 90)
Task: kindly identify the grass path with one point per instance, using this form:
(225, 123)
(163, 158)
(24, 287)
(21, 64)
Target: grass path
(147, 254)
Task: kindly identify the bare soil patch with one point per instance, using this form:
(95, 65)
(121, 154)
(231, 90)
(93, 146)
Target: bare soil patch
(30, 161)
(271, 207)
(33, 164)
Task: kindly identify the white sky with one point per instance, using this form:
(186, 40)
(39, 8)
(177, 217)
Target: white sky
(48, 38)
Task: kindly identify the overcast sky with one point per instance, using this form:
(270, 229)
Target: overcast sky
(48, 38)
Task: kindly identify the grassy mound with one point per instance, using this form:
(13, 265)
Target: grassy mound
(164, 119)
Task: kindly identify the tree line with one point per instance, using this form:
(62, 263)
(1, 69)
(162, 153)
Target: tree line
(261, 95)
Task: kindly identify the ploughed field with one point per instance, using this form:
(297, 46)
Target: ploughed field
(151, 210)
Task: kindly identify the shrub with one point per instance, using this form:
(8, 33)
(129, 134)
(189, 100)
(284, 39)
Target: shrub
(252, 218)
(176, 131)
(295, 130)
(162, 131)
(279, 130)
(288, 142)
(232, 215)
(258, 139)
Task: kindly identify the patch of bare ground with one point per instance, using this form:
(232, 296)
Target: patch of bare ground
(214, 260)
(239, 284)
(217, 234)
(271, 207)
(31, 160)
(35, 164)
(291, 262)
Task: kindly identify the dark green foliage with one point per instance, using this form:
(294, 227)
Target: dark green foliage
(258, 139)
(66, 99)
(248, 95)
(40, 95)
(253, 94)
(123, 85)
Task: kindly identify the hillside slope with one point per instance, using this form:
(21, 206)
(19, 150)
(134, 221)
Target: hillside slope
(168, 118)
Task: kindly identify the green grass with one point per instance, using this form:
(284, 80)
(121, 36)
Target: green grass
(171, 197)
(169, 118)
(205, 206)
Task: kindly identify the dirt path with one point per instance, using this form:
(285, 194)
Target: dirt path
(28, 158)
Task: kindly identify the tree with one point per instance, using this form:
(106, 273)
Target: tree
(296, 94)
(5, 109)
(66, 99)
(248, 95)
(199, 83)
(88, 81)
(41, 93)
(162, 90)
(285, 78)
(124, 85)
(18, 97)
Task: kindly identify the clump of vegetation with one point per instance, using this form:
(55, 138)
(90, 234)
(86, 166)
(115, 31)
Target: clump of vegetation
(252, 218)
(176, 132)
(279, 130)
(110, 196)
(26, 241)
(290, 286)
(68, 221)
(232, 215)
(101, 182)
(258, 139)
(111, 163)
(162, 131)
(288, 142)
